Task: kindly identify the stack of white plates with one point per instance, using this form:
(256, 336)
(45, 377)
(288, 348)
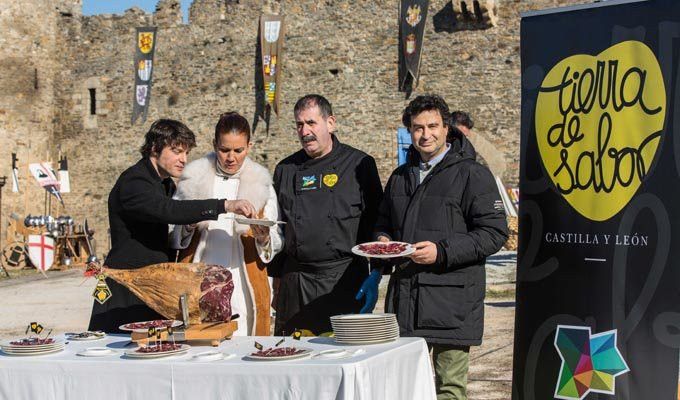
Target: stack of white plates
(12, 348)
(365, 328)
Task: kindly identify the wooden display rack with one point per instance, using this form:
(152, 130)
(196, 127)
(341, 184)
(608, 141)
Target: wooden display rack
(214, 332)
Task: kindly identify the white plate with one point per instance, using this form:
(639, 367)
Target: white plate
(31, 350)
(28, 353)
(409, 249)
(336, 354)
(207, 356)
(376, 328)
(212, 355)
(134, 354)
(365, 324)
(33, 353)
(255, 221)
(86, 339)
(376, 321)
(337, 329)
(362, 335)
(366, 337)
(363, 317)
(361, 342)
(333, 353)
(368, 322)
(125, 327)
(97, 352)
(355, 327)
(8, 344)
(305, 353)
(365, 328)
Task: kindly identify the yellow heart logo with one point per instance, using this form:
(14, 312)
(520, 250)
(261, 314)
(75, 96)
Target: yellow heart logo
(330, 180)
(599, 121)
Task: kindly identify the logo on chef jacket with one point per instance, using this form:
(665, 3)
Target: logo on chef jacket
(330, 180)
(309, 182)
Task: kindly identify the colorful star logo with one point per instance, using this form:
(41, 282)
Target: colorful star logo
(589, 363)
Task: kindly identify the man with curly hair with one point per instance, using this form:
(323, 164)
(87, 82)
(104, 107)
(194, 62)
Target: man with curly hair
(140, 209)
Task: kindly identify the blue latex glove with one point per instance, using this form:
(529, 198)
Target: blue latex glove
(369, 289)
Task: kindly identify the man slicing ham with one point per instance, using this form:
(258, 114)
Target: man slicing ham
(141, 208)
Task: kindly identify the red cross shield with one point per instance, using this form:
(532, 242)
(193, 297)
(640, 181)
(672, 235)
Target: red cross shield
(41, 251)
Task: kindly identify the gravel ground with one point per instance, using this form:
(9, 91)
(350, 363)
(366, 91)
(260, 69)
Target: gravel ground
(63, 303)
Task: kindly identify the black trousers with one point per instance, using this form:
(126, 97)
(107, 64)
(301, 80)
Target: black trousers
(310, 294)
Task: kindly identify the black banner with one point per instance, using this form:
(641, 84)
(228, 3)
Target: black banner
(271, 42)
(598, 282)
(145, 45)
(412, 18)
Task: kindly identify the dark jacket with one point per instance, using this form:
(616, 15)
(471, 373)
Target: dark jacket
(140, 209)
(329, 205)
(457, 207)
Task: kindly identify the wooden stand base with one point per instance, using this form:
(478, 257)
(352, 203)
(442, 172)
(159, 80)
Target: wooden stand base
(214, 332)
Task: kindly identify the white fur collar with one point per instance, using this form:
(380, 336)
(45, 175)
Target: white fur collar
(196, 183)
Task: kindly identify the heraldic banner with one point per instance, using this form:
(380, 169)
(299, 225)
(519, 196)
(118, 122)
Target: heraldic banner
(412, 19)
(598, 276)
(272, 32)
(145, 45)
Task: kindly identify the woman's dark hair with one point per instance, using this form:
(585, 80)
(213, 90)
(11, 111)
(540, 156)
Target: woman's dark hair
(167, 132)
(427, 102)
(232, 122)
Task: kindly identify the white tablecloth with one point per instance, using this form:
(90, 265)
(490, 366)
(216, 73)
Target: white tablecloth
(396, 370)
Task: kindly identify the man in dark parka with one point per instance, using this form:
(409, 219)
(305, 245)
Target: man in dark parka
(448, 206)
(140, 209)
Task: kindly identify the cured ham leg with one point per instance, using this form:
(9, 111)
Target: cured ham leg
(208, 288)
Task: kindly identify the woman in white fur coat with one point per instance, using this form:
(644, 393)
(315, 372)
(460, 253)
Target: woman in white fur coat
(228, 173)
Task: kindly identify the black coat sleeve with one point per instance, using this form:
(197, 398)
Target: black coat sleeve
(275, 266)
(485, 218)
(371, 196)
(141, 198)
(383, 223)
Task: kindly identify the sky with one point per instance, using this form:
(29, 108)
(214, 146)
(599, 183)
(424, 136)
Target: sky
(92, 7)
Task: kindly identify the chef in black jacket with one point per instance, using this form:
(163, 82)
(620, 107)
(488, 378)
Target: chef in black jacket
(140, 209)
(328, 195)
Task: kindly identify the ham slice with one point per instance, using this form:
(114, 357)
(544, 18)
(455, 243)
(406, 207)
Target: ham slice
(208, 288)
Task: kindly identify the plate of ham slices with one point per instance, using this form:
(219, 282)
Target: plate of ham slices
(383, 249)
(279, 354)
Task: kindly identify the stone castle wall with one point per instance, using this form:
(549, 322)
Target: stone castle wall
(29, 72)
(343, 49)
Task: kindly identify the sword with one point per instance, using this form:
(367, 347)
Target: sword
(92, 257)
